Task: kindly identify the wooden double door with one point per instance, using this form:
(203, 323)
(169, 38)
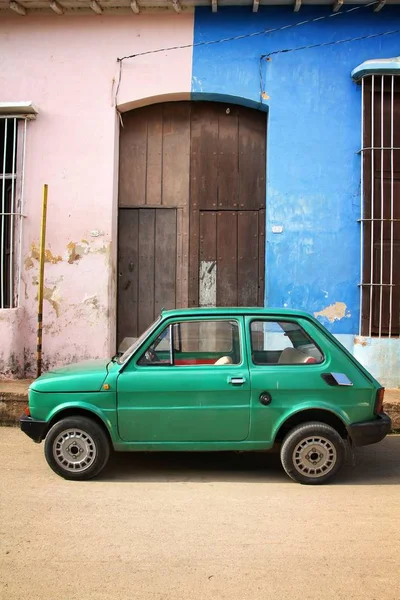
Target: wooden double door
(191, 210)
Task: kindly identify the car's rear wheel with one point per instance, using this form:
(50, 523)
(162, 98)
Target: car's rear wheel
(77, 448)
(312, 453)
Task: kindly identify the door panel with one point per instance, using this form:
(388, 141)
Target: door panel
(183, 404)
(231, 265)
(128, 274)
(227, 204)
(248, 258)
(252, 159)
(228, 157)
(227, 283)
(176, 391)
(175, 154)
(146, 261)
(203, 163)
(146, 267)
(164, 260)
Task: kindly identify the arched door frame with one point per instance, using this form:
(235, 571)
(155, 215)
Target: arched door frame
(128, 108)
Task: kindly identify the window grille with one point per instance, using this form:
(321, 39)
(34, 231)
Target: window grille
(380, 219)
(12, 155)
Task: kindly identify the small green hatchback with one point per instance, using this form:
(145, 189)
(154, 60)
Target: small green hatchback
(208, 379)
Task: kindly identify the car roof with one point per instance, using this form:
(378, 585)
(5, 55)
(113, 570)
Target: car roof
(235, 311)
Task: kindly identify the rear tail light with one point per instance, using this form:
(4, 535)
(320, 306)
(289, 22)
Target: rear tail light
(27, 411)
(379, 401)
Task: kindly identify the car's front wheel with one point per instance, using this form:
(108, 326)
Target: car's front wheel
(312, 453)
(77, 448)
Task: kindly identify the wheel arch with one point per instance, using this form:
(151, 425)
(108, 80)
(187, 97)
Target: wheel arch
(322, 415)
(78, 411)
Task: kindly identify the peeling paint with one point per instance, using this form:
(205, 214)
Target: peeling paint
(380, 356)
(196, 82)
(75, 252)
(334, 312)
(52, 295)
(90, 310)
(28, 263)
(92, 301)
(49, 257)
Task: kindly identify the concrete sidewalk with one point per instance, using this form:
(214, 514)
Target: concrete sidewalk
(391, 405)
(14, 398)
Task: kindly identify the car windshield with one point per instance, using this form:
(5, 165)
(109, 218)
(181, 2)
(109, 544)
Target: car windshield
(136, 343)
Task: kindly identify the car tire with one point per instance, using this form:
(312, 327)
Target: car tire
(312, 453)
(77, 448)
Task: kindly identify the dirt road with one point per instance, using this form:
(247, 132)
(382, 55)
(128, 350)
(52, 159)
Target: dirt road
(191, 527)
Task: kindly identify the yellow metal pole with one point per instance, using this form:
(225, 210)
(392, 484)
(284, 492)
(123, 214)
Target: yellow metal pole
(41, 282)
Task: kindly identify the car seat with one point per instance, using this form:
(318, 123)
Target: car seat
(224, 360)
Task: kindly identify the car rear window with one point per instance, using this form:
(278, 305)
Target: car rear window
(282, 343)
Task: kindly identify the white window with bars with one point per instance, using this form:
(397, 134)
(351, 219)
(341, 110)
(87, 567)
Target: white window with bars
(380, 218)
(12, 162)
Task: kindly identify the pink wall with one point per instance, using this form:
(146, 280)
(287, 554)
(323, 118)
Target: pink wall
(66, 66)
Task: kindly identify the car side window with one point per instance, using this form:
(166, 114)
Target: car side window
(195, 343)
(159, 352)
(282, 343)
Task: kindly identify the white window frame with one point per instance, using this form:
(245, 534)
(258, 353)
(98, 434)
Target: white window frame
(18, 114)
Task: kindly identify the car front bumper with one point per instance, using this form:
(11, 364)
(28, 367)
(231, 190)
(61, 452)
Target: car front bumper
(370, 432)
(33, 428)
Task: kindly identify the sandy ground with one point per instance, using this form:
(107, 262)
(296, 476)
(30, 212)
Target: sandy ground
(198, 526)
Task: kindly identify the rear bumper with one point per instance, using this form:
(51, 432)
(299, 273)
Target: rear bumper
(370, 432)
(34, 429)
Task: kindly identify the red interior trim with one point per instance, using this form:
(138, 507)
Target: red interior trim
(195, 361)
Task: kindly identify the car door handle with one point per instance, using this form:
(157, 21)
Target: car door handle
(236, 380)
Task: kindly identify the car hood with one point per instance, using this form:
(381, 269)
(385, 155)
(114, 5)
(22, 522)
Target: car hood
(85, 376)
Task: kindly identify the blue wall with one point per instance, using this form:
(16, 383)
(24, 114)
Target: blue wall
(313, 170)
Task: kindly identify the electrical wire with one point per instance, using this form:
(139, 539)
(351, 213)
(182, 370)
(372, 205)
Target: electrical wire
(264, 57)
(320, 45)
(265, 32)
(249, 35)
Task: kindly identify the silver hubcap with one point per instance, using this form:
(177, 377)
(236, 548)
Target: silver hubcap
(74, 450)
(314, 456)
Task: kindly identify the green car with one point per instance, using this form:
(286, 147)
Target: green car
(212, 379)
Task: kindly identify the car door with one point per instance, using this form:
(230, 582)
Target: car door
(174, 392)
(295, 367)
(286, 366)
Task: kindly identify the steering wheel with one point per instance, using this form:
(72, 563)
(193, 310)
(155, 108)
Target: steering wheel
(151, 356)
